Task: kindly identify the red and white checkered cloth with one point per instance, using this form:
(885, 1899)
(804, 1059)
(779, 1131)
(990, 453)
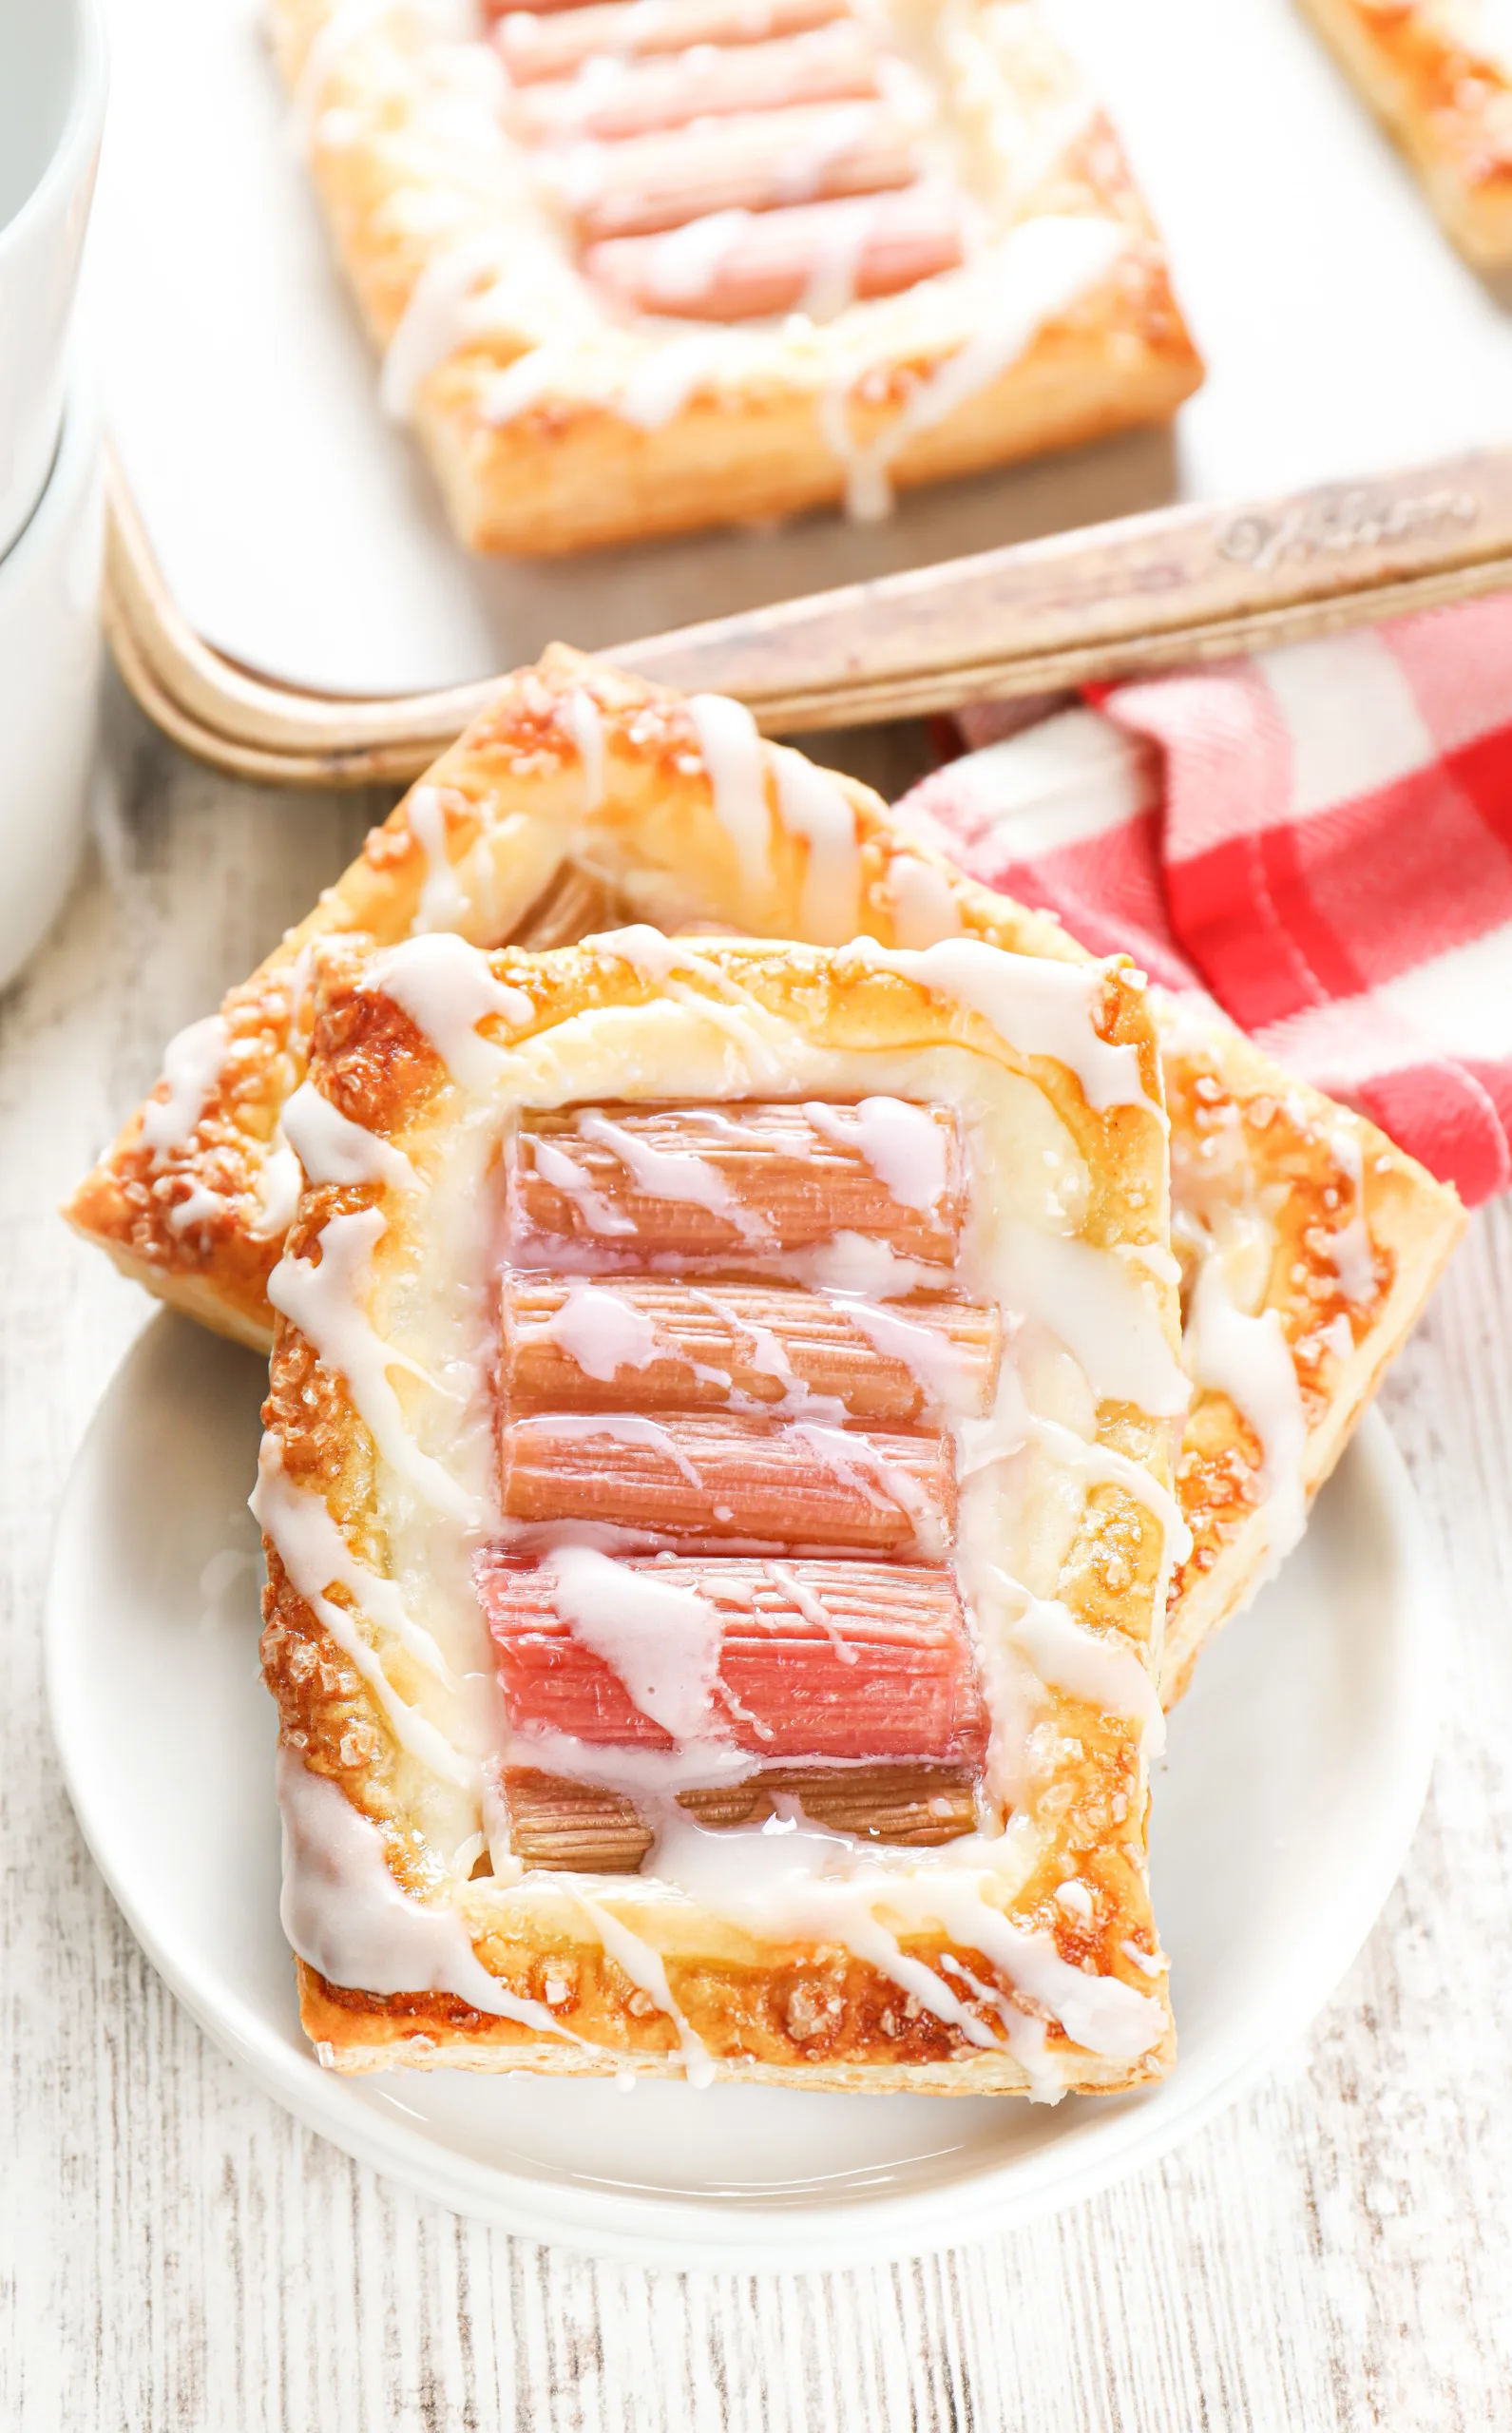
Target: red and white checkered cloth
(1321, 838)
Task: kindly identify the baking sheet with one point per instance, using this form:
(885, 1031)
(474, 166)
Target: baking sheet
(298, 531)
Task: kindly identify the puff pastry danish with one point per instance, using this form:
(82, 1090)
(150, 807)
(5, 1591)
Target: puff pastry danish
(1439, 74)
(636, 1718)
(584, 798)
(637, 269)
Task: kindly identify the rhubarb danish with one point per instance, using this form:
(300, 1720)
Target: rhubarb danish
(787, 1716)
(1439, 74)
(643, 265)
(1307, 1242)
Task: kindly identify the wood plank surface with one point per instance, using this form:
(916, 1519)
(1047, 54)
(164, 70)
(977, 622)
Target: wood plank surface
(178, 2257)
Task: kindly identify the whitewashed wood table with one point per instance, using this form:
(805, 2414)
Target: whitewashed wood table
(178, 2257)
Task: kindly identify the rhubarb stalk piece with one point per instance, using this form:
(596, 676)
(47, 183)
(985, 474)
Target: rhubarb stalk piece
(557, 42)
(555, 1822)
(817, 258)
(760, 1483)
(748, 162)
(836, 61)
(837, 1662)
(645, 1345)
(616, 1187)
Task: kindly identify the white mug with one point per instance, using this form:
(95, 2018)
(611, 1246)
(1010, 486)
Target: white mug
(52, 89)
(50, 663)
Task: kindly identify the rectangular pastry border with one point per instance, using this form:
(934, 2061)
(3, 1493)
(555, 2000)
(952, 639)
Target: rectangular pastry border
(864, 1003)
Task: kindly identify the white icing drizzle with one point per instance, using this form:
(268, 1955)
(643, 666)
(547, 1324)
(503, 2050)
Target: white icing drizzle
(601, 1331)
(332, 1149)
(345, 1916)
(757, 1049)
(858, 1464)
(1101, 2014)
(673, 1174)
(314, 1554)
(1153, 1257)
(735, 757)
(902, 1145)
(663, 1640)
(1024, 2033)
(323, 1302)
(523, 383)
(924, 908)
(1107, 1316)
(945, 1372)
(684, 264)
(191, 1067)
(769, 1359)
(279, 1183)
(810, 804)
(1040, 1008)
(640, 1774)
(202, 1207)
(857, 1266)
(659, 1638)
(645, 1969)
(1036, 159)
(586, 722)
(1154, 1964)
(1350, 1244)
(442, 303)
(576, 172)
(813, 1609)
(623, 1426)
(1103, 1466)
(1042, 266)
(806, 167)
(447, 988)
(771, 1879)
(657, 957)
(346, 23)
(1250, 1360)
(788, 1881)
(650, 951)
(562, 1170)
(843, 235)
(1094, 1665)
(444, 901)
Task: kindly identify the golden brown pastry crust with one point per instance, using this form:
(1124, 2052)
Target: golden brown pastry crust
(783, 2012)
(1310, 1164)
(511, 792)
(1448, 101)
(752, 436)
(532, 864)
(811, 2018)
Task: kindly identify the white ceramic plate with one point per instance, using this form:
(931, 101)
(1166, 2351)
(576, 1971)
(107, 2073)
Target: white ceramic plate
(301, 532)
(1297, 1770)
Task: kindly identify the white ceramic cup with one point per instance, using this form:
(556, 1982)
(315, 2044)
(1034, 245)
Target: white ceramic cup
(52, 89)
(49, 664)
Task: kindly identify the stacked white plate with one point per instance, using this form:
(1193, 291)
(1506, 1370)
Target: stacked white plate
(1296, 1770)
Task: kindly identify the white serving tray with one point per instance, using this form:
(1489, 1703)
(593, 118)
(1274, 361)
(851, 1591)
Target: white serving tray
(299, 533)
